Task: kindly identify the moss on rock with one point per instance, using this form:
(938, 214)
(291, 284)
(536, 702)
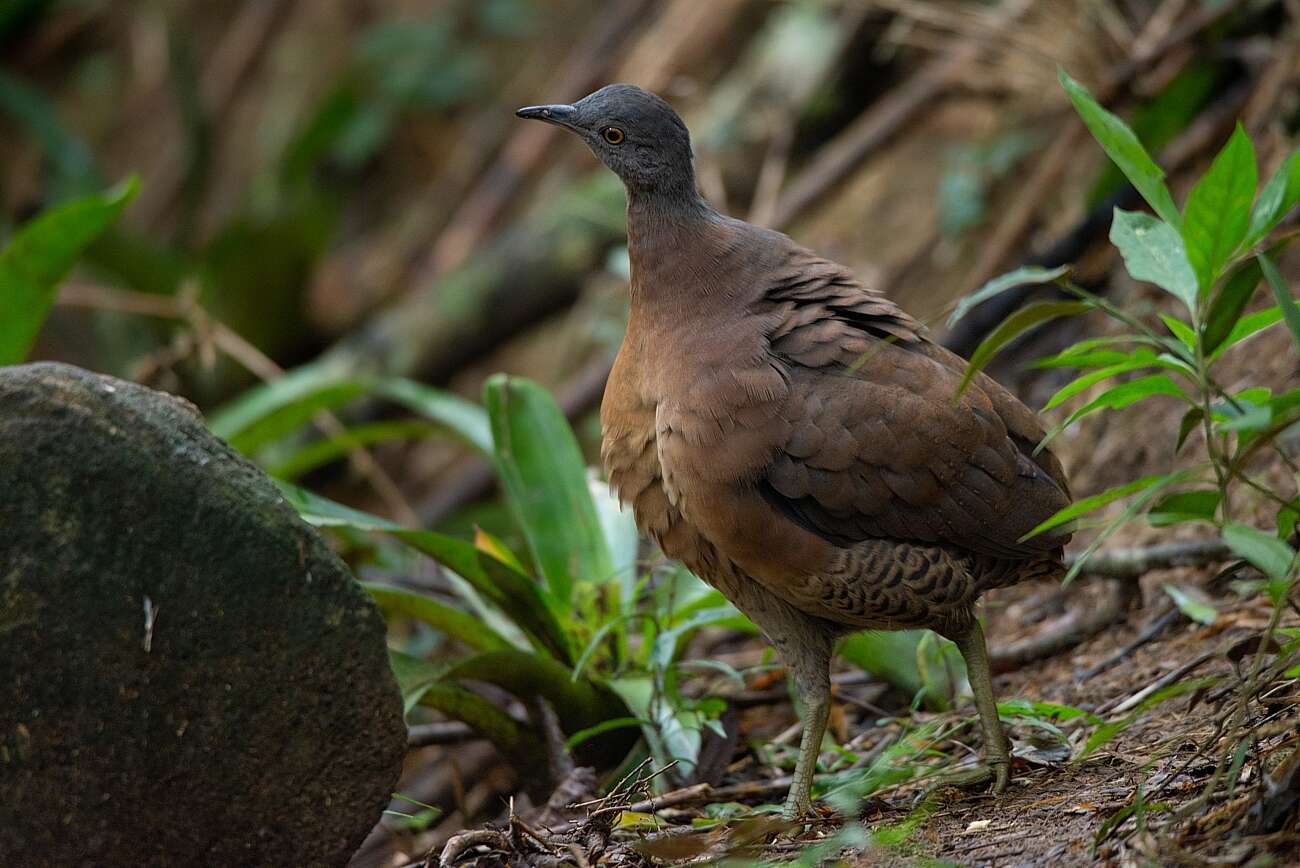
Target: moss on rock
(188, 675)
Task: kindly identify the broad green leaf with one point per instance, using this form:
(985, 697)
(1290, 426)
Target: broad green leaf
(1135, 506)
(317, 453)
(1193, 603)
(1121, 396)
(1124, 149)
(1020, 707)
(1280, 195)
(619, 526)
(1180, 330)
(272, 410)
(1282, 293)
(1153, 252)
(443, 618)
(1096, 501)
(1247, 416)
(1225, 311)
(1218, 209)
(1270, 555)
(1184, 506)
(545, 480)
(463, 418)
(1190, 421)
(578, 704)
(1287, 518)
(891, 657)
(428, 684)
(584, 735)
(1079, 384)
(1028, 317)
(1019, 277)
(526, 603)
(1088, 353)
(1248, 326)
(40, 255)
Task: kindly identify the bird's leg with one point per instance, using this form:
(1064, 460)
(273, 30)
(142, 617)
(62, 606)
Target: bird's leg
(971, 644)
(813, 684)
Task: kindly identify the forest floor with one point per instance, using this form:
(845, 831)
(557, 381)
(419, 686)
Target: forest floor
(1059, 809)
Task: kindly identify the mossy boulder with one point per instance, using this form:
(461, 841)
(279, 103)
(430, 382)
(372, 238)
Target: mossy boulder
(188, 675)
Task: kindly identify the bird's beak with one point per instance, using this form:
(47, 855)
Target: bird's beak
(560, 115)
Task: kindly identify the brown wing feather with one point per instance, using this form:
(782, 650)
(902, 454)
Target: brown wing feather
(879, 446)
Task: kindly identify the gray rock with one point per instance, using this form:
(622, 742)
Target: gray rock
(188, 675)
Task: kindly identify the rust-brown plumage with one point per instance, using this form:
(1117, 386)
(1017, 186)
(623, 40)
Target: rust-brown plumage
(795, 438)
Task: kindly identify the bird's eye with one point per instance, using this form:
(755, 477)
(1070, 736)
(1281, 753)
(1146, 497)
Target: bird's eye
(613, 135)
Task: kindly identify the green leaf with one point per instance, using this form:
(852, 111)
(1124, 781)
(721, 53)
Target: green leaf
(1087, 380)
(1283, 295)
(1193, 603)
(1019, 277)
(1184, 506)
(1180, 330)
(1191, 420)
(272, 410)
(1218, 209)
(1028, 317)
(545, 480)
(1225, 311)
(1279, 196)
(1248, 326)
(1124, 149)
(1096, 501)
(318, 453)
(1153, 252)
(40, 255)
(584, 735)
(452, 622)
(1121, 396)
(1287, 518)
(891, 657)
(463, 418)
(526, 603)
(1089, 353)
(1267, 553)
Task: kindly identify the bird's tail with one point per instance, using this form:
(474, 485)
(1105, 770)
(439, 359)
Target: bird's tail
(1001, 572)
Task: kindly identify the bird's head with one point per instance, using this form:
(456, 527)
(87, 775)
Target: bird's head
(632, 131)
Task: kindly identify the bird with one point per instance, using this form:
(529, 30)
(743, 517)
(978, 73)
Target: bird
(800, 442)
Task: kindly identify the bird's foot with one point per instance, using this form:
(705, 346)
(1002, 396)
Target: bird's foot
(798, 808)
(998, 772)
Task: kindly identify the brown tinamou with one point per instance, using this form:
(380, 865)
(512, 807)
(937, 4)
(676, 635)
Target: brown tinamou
(796, 439)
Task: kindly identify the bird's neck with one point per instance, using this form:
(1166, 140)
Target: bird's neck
(665, 229)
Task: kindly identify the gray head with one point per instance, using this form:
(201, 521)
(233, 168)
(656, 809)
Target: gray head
(632, 131)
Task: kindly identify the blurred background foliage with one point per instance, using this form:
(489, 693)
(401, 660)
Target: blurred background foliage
(342, 235)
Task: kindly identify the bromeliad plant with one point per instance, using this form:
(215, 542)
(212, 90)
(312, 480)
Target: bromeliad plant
(573, 621)
(1210, 257)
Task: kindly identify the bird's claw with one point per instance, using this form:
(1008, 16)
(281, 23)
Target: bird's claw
(996, 771)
